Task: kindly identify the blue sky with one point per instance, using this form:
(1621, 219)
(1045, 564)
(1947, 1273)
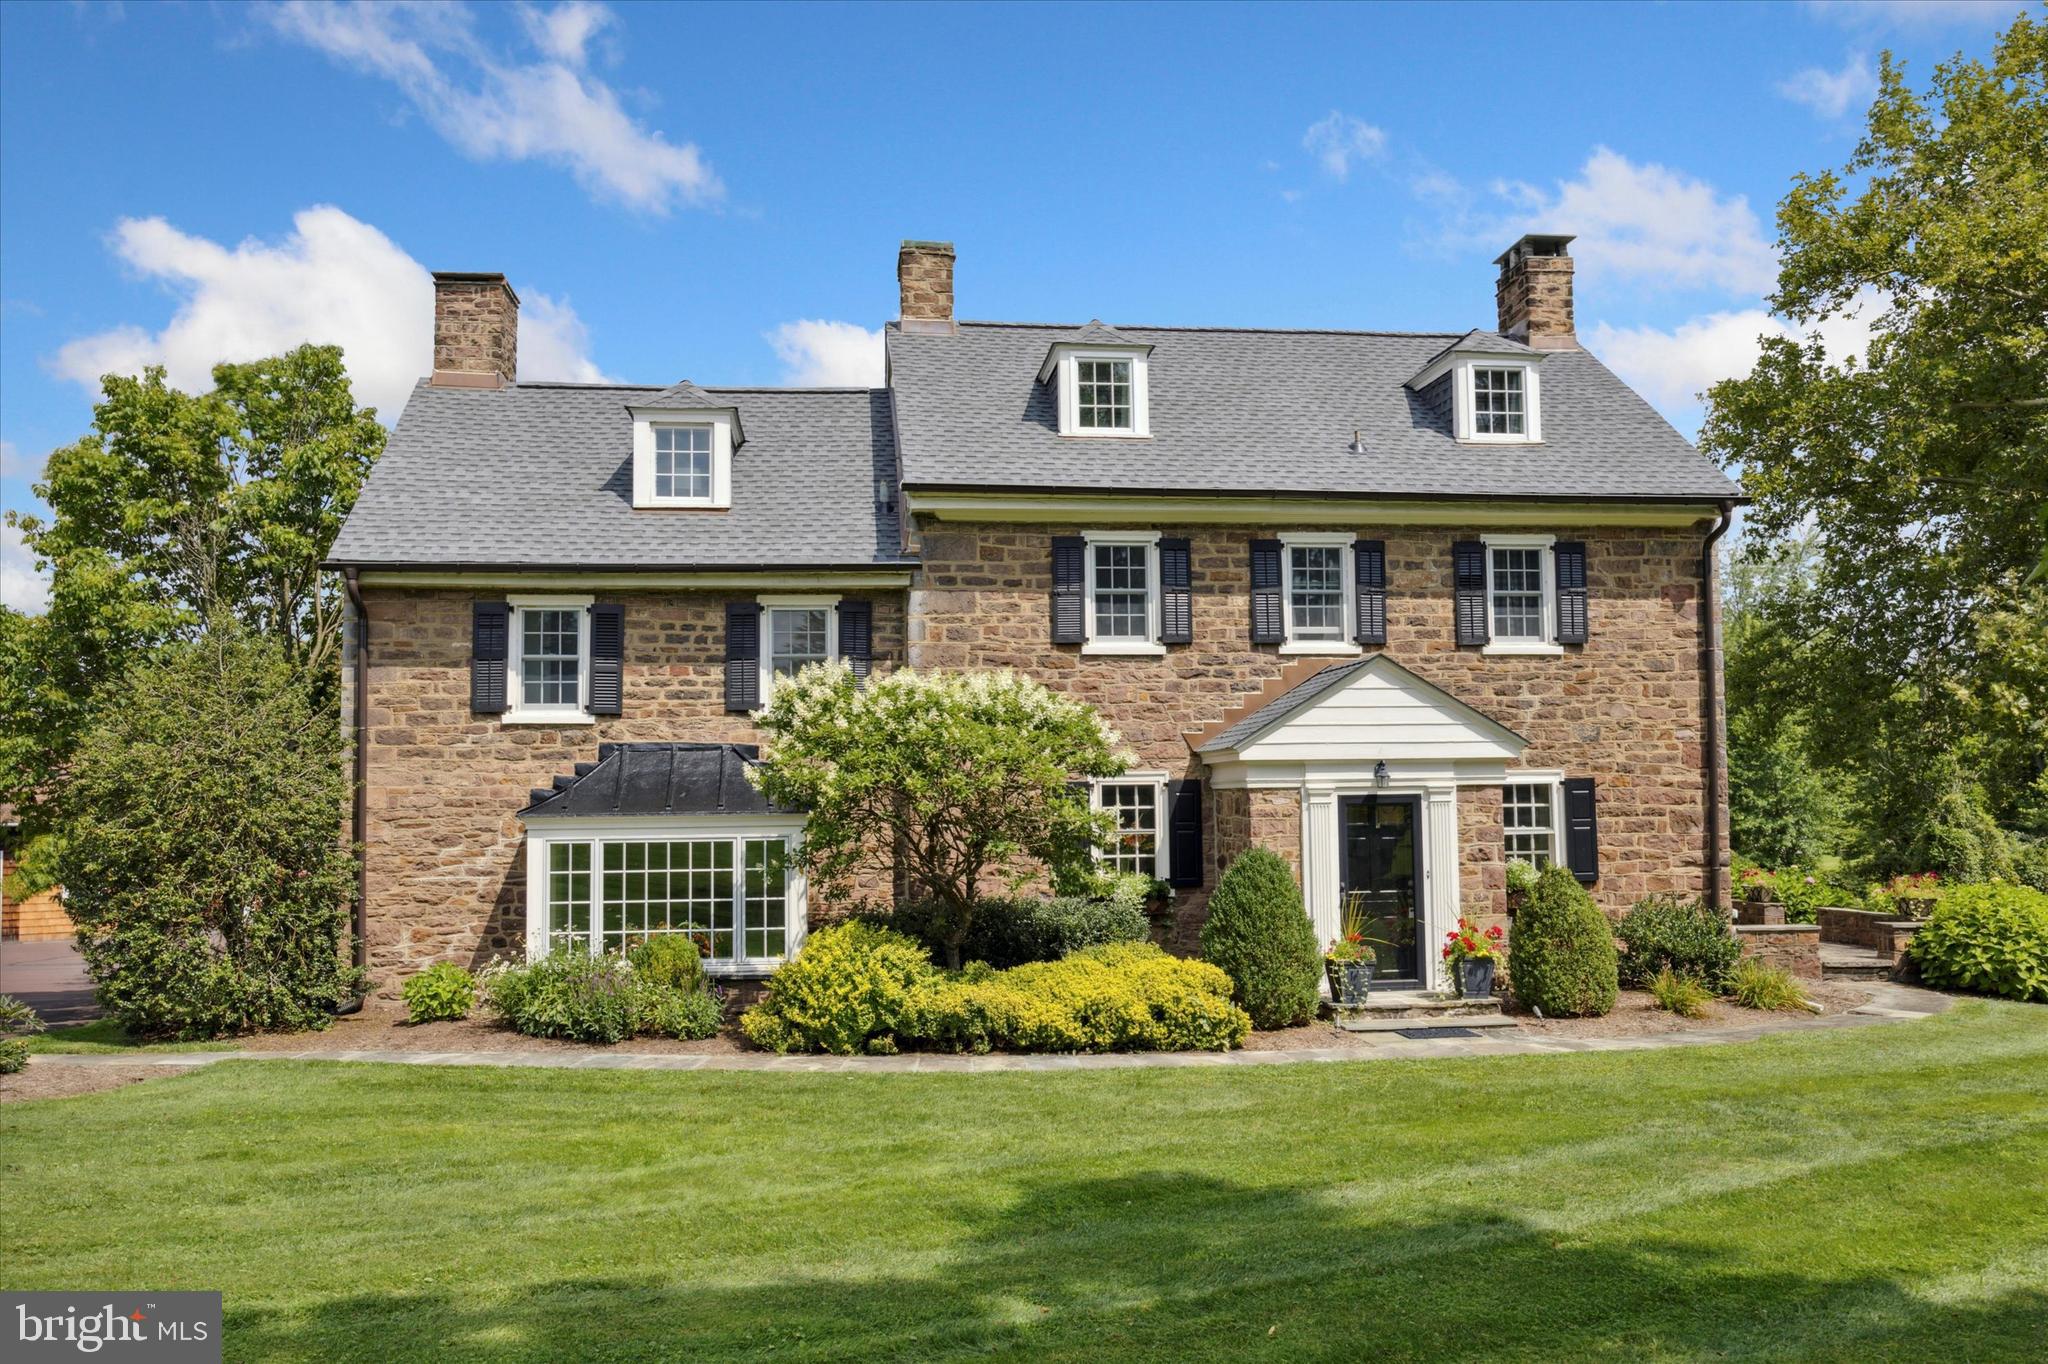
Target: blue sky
(717, 193)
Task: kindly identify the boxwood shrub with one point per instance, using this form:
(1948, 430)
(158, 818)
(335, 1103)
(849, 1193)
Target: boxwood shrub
(1561, 957)
(1259, 934)
(1689, 937)
(1988, 938)
(847, 986)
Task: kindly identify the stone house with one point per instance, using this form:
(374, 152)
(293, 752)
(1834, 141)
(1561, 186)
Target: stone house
(1400, 606)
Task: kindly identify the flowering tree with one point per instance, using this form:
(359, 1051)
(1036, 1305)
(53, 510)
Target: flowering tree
(958, 779)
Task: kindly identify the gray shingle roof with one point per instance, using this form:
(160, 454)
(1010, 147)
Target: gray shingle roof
(1241, 411)
(657, 779)
(541, 475)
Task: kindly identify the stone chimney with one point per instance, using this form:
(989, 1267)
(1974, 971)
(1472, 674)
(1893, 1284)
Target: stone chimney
(476, 331)
(1534, 293)
(924, 276)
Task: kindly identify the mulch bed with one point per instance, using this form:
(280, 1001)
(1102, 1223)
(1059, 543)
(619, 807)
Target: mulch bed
(385, 1029)
(62, 1082)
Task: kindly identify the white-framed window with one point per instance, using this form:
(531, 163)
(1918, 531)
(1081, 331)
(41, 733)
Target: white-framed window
(1121, 593)
(1138, 804)
(734, 889)
(1521, 595)
(1497, 401)
(1104, 392)
(1529, 822)
(548, 678)
(1317, 576)
(796, 632)
(682, 462)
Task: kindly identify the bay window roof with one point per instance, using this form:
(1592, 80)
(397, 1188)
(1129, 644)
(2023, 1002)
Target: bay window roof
(657, 779)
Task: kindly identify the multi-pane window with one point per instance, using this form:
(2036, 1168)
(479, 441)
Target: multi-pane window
(797, 635)
(1135, 846)
(550, 672)
(1497, 402)
(1527, 818)
(569, 897)
(766, 911)
(1315, 592)
(684, 886)
(1516, 589)
(1122, 580)
(729, 895)
(682, 462)
(1102, 394)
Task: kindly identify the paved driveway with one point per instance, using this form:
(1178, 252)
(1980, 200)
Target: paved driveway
(50, 978)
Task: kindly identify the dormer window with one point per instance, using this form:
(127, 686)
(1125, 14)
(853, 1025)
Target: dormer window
(683, 442)
(1102, 397)
(1100, 378)
(1488, 387)
(682, 463)
(1496, 402)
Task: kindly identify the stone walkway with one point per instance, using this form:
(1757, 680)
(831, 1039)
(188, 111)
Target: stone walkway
(1888, 1003)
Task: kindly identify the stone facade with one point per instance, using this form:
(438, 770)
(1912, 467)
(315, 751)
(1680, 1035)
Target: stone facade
(1533, 296)
(1623, 709)
(1793, 948)
(444, 848)
(476, 328)
(924, 281)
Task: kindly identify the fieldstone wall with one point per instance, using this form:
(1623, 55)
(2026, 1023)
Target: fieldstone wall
(476, 326)
(1793, 947)
(1625, 708)
(446, 856)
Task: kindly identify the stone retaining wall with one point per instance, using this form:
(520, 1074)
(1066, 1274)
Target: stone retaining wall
(1793, 947)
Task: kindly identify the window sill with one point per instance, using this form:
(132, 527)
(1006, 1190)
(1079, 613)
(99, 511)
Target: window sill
(749, 966)
(561, 719)
(678, 504)
(1106, 435)
(1526, 649)
(1319, 648)
(1124, 648)
(1500, 440)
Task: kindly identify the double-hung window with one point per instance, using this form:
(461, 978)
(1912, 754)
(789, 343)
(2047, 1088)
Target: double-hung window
(796, 632)
(1521, 595)
(1497, 408)
(1317, 574)
(682, 463)
(1138, 806)
(1529, 822)
(1122, 588)
(1102, 394)
(550, 656)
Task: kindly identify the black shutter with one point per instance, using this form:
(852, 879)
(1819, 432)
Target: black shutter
(490, 632)
(1570, 567)
(1176, 593)
(607, 658)
(1370, 560)
(1269, 624)
(1581, 830)
(1069, 553)
(857, 637)
(742, 655)
(1468, 559)
(1184, 833)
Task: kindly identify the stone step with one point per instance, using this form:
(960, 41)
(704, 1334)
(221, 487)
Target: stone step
(1849, 961)
(1387, 1010)
(1467, 1019)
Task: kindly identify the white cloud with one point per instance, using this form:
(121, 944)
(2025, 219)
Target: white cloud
(14, 464)
(495, 107)
(829, 354)
(1339, 139)
(1640, 222)
(333, 280)
(21, 586)
(1830, 93)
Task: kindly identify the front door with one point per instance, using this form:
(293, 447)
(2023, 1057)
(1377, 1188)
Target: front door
(1381, 879)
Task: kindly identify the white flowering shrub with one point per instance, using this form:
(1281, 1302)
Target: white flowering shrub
(962, 778)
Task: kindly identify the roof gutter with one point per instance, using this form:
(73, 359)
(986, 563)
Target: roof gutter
(359, 753)
(1712, 763)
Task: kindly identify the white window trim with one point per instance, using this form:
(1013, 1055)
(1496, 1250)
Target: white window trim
(1162, 843)
(1149, 647)
(645, 420)
(1547, 646)
(1464, 387)
(771, 604)
(1070, 390)
(543, 834)
(517, 711)
(1555, 782)
(1347, 647)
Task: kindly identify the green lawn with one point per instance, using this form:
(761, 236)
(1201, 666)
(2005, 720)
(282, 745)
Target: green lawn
(1869, 1194)
(103, 1036)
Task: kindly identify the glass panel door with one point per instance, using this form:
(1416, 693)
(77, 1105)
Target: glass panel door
(1382, 878)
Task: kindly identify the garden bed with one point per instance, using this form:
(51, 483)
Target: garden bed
(383, 1028)
(63, 1082)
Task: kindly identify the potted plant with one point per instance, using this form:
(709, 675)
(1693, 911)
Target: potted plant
(1349, 961)
(1471, 955)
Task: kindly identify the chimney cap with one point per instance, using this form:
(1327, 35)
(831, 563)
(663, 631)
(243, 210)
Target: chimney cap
(1536, 244)
(933, 248)
(476, 277)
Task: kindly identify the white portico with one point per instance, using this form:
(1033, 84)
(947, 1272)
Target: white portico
(1376, 756)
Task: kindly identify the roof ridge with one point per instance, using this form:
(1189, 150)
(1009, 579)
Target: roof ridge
(1195, 327)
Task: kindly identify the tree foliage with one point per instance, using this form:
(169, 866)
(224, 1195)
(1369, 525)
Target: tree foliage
(1908, 652)
(958, 780)
(174, 511)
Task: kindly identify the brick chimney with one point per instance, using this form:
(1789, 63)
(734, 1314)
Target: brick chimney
(924, 277)
(476, 330)
(1534, 293)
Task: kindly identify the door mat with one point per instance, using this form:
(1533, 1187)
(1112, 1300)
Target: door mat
(1432, 1034)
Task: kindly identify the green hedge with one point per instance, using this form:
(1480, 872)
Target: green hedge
(1561, 957)
(1259, 934)
(1689, 937)
(1988, 938)
(595, 999)
(1006, 933)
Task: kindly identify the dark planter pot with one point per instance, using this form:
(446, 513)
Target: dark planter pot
(1475, 978)
(1349, 981)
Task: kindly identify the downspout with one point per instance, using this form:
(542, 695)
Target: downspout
(1710, 672)
(359, 812)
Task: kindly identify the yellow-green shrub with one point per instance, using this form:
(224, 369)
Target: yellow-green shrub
(1120, 997)
(847, 985)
